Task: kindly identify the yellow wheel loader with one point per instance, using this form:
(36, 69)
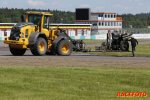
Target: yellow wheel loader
(34, 33)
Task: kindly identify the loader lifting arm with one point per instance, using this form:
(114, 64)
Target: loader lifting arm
(77, 45)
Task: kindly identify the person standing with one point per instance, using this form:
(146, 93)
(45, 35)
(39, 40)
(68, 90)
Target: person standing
(109, 36)
(133, 44)
(115, 37)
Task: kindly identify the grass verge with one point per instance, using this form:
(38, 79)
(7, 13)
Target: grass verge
(139, 40)
(71, 83)
(141, 51)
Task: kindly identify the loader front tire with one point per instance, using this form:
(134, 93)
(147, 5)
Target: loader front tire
(64, 48)
(40, 47)
(17, 52)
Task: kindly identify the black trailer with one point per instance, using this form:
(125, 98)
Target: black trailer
(123, 45)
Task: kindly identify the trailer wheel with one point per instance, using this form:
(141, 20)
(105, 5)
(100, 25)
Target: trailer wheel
(124, 46)
(64, 48)
(17, 52)
(40, 47)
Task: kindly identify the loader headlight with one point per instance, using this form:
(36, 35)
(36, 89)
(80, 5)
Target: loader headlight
(22, 35)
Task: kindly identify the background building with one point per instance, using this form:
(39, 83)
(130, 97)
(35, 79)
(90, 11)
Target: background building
(101, 21)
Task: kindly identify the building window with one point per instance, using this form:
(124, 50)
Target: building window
(115, 16)
(120, 24)
(105, 15)
(102, 23)
(105, 23)
(111, 15)
(94, 24)
(112, 24)
(108, 23)
(108, 15)
(116, 23)
(99, 23)
(100, 15)
(5, 33)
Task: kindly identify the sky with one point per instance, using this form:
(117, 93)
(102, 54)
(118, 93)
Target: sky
(119, 6)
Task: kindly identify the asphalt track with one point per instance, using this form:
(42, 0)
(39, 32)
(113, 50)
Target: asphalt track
(4, 52)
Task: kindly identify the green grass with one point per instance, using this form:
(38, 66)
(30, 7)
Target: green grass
(71, 83)
(143, 40)
(141, 51)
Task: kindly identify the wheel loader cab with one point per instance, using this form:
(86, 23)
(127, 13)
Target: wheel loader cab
(41, 21)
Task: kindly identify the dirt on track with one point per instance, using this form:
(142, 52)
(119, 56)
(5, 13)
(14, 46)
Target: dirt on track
(37, 61)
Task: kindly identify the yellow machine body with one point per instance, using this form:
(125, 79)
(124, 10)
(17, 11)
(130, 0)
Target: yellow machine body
(25, 32)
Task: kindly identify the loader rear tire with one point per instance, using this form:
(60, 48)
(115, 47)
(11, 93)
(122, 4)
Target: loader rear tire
(64, 48)
(17, 52)
(40, 47)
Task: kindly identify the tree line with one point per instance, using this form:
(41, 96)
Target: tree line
(12, 15)
(141, 20)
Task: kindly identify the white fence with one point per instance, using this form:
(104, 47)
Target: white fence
(141, 36)
(136, 36)
(87, 35)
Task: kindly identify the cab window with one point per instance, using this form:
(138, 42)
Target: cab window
(36, 19)
(46, 22)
